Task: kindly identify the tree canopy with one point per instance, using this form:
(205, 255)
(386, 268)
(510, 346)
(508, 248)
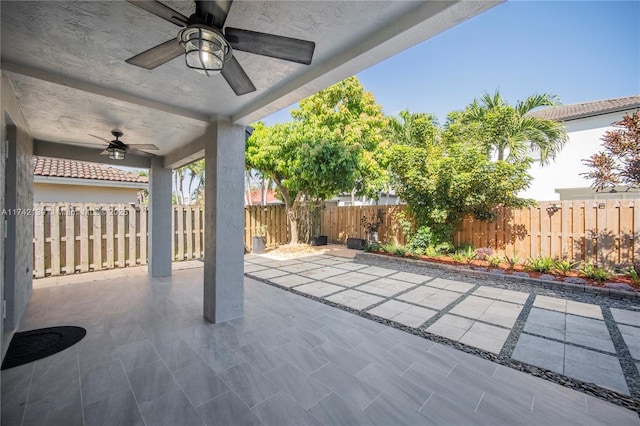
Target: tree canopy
(510, 132)
(443, 176)
(328, 148)
(619, 163)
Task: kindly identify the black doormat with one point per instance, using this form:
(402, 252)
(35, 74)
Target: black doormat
(32, 345)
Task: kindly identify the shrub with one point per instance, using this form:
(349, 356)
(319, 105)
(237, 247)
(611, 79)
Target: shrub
(494, 261)
(400, 251)
(563, 266)
(633, 274)
(594, 272)
(422, 239)
(511, 261)
(483, 252)
(445, 248)
(541, 264)
(459, 257)
(431, 252)
(469, 254)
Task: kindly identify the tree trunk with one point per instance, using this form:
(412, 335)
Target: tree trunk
(290, 210)
(248, 188)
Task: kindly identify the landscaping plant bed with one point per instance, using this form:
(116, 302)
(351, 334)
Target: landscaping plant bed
(613, 284)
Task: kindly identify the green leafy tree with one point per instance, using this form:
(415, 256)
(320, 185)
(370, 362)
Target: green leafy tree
(331, 146)
(444, 176)
(304, 162)
(619, 163)
(510, 132)
(350, 113)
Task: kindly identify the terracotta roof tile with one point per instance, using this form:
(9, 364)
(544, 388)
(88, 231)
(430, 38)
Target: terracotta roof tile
(256, 197)
(588, 109)
(56, 167)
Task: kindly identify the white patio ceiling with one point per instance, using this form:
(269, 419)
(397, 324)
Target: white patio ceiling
(66, 62)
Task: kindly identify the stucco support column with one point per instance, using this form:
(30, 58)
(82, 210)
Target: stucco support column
(224, 222)
(160, 211)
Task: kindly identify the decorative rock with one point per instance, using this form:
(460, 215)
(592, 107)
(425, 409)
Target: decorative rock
(520, 274)
(574, 280)
(547, 277)
(619, 286)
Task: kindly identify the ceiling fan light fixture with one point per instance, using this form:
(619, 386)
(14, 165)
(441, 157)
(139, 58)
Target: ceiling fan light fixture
(205, 48)
(116, 153)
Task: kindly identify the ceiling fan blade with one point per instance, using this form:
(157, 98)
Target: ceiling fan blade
(102, 139)
(162, 11)
(138, 152)
(105, 152)
(143, 146)
(287, 48)
(81, 143)
(237, 78)
(218, 9)
(156, 56)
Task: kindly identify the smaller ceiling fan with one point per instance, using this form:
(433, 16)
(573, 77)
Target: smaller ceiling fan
(116, 149)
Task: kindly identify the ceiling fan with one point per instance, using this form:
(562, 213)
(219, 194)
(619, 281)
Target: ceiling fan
(116, 149)
(209, 50)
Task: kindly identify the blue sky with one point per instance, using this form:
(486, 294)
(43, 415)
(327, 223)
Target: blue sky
(578, 50)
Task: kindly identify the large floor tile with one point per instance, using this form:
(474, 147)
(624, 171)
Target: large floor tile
(282, 410)
(249, 384)
(306, 390)
(200, 383)
(336, 410)
(151, 381)
(170, 410)
(117, 409)
(228, 409)
(346, 385)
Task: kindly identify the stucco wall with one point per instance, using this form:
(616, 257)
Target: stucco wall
(55, 193)
(17, 173)
(584, 141)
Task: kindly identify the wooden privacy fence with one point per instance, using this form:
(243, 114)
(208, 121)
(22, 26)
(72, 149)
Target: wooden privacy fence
(605, 232)
(83, 237)
(78, 237)
(275, 220)
(340, 223)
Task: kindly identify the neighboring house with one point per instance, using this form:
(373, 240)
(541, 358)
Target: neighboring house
(389, 198)
(257, 198)
(57, 180)
(386, 198)
(586, 123)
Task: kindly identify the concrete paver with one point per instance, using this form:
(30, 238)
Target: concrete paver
(624, 316)
(355, 299)
(403, 313)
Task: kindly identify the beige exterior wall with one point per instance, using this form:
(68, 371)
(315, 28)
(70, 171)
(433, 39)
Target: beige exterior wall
(57, 193)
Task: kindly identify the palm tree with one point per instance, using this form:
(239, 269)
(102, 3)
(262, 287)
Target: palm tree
(196, 171)
(512, 133)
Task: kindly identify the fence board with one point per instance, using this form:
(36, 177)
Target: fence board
(196, 233)
(69, 240)
(143, 235)
(84, 239)
(39, 242)
(97, 238)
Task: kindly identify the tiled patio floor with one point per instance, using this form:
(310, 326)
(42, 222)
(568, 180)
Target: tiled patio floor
(150, 359)
(560, 335)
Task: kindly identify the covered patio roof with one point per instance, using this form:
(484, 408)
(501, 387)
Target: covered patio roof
(66, 63)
